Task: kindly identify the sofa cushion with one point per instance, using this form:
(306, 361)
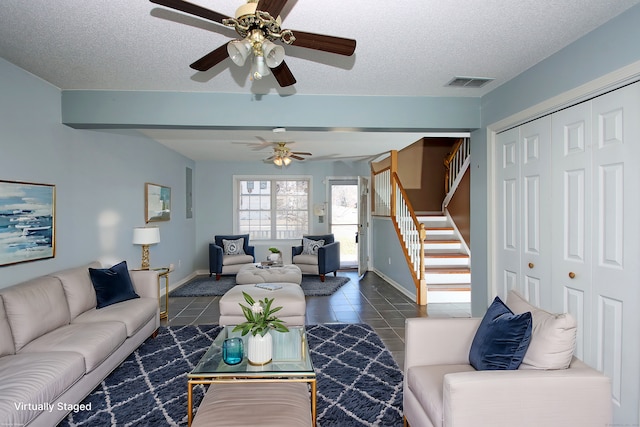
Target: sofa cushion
(94, 341)
(34, 308)
(112, 285)
(427, 382)
(310, 246)
(133, 313)
(6, 338)
(553, 338)
(501, 339)
(35, 378)
(233, 247)
(236, 259)
(78, 289)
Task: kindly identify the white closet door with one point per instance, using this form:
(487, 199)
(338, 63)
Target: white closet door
(535, 179)
(616, 248)
(507, 218)
(571, 228)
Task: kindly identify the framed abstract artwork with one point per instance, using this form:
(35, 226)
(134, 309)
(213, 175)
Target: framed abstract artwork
(27, 222)
(157, 202)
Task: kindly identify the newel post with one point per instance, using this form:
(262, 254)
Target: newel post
(422, 289)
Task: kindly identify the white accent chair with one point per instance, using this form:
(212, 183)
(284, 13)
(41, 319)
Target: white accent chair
(441, 388)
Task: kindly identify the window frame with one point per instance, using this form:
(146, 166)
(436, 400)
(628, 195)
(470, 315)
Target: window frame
(273, 179)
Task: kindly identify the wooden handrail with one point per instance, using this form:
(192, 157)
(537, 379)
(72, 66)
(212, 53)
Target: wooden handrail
(449, 158)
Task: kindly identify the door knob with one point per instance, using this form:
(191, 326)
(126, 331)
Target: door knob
(572, 275)
(530, 265)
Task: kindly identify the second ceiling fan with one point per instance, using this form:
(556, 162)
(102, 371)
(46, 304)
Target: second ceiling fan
(258, 24)
(282, 155)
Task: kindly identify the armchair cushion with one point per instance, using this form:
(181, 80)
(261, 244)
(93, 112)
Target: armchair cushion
(310, 246)
(236, 259)
(553, 338)
(233, 247)
(502, 339)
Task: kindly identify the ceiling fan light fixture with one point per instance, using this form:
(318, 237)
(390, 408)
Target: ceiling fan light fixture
(286, 161)
(273, 53)
(259, 69)
(277, 161)
(239, 51)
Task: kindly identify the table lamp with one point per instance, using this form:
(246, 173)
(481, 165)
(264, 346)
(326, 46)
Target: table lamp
(146, 236)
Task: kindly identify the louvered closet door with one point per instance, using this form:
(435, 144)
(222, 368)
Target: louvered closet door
(535, 265)
(616, 248)
(507, 212)
(571, 211)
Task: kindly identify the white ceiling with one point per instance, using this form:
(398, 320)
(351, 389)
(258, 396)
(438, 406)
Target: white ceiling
(404, 48)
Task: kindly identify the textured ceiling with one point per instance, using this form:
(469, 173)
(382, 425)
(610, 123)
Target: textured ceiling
(404, 47)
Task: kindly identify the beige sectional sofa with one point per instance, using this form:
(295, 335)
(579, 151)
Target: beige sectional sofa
(56, 347)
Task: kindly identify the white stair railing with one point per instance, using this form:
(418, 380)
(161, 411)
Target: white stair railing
(456, 165)
(382, 193)
(412, 235)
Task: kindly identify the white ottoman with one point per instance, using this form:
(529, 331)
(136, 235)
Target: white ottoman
(285, 404)
(289, 296)
(252, 274)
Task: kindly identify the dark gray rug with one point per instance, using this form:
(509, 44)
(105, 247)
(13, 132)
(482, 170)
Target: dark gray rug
(205, 286)
(358, 382)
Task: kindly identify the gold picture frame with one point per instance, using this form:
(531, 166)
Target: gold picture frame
(27, 222)
(157, 202)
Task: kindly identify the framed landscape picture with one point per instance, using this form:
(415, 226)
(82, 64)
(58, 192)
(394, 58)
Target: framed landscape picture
(157, 202)
(27, 222)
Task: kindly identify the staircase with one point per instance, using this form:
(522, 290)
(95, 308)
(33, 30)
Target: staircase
(447, 262)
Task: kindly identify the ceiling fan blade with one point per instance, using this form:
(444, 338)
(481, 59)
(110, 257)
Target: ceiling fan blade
(269, 158)
(274, 7)
(301, 153)
(331, 44)
(293, 156)
(193, 9)
(211, 59)
(283, 75)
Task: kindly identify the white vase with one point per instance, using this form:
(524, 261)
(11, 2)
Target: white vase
(259, 349)
(274, 257)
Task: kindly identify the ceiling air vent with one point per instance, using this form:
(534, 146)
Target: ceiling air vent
(469, 81)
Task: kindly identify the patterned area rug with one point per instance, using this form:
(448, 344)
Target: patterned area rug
(358, 382)
(205, 286)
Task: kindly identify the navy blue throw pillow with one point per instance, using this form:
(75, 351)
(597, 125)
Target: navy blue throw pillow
(112, 285)
(502, 339)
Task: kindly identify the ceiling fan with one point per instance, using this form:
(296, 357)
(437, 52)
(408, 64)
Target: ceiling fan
(258, 24)
(282, 155)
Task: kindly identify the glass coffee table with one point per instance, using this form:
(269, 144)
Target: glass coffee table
(291, 363)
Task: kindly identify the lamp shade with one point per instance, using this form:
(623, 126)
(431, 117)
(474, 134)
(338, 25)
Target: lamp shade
(238, 51)
(273, 53)
(146, 235)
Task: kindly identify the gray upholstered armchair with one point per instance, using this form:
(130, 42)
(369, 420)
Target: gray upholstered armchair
(321, 255)
(227, 254)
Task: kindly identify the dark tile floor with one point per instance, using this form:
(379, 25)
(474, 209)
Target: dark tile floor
(369, 299)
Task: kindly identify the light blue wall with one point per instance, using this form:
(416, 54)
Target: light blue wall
(99, 178)
(606, 49)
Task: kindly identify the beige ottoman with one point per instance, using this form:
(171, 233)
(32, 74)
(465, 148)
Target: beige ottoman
(289, 296)
(284, 404)
(252, 274)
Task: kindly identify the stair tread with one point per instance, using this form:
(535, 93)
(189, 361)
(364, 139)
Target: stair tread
(445, 255)
(447, 270)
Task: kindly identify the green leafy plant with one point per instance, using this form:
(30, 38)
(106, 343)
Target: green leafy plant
(260, 317)
(274, 250)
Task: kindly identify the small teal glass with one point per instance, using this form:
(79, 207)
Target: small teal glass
(232, 351)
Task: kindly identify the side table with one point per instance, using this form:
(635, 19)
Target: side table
(163, 273)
